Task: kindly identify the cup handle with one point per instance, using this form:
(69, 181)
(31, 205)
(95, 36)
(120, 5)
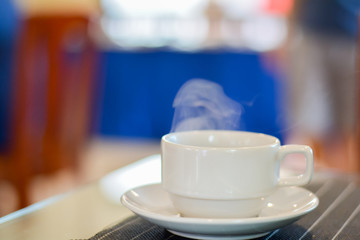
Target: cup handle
(301, 179)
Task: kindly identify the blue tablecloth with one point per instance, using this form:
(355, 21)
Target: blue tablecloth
(139, 88)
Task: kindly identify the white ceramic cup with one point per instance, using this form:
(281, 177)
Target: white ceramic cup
(225, 174)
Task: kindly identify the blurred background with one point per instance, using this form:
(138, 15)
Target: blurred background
(87, 86)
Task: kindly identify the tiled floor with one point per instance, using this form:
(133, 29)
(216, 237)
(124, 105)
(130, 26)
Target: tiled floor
(100, 157)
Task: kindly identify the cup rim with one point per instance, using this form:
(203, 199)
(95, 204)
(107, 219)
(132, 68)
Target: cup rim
(166, 139)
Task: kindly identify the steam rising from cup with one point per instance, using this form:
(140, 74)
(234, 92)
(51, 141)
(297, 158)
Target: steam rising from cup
(202, 105)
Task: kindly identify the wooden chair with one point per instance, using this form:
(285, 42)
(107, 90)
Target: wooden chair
(53, 89)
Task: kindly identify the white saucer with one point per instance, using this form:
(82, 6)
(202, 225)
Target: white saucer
(285, 206)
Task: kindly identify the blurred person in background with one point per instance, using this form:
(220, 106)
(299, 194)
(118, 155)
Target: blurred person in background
(323, 87)
(8, 25)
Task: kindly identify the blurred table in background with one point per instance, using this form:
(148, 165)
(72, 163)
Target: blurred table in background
(139, 88)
